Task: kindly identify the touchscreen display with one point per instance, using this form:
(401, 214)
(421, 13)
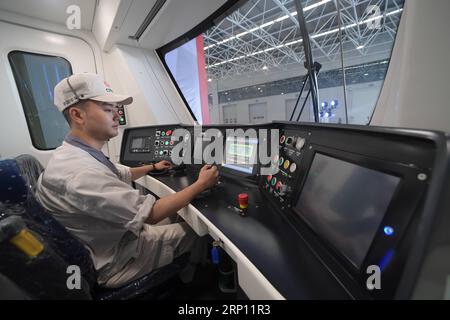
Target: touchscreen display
(345, 204)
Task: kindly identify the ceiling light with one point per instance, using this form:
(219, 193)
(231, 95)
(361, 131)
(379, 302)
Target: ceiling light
(315, 5)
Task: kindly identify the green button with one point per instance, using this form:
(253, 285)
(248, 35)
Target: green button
(274, 181)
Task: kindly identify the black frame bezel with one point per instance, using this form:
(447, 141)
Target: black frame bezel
(125, 147)
(217, 16)
(398, 214)
(28, 121)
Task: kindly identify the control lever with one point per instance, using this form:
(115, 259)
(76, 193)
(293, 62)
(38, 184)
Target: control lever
(178, 168)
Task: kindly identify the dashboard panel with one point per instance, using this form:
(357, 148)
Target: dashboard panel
(353, 195)
(150, 144)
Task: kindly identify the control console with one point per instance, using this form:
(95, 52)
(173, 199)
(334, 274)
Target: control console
(149, 144)
(281, 186)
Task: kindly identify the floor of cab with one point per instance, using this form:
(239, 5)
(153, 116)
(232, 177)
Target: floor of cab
(207, 284)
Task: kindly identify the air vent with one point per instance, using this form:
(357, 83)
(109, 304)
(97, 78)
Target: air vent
(148, 19)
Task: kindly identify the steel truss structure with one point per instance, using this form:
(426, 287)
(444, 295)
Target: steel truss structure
(264, 34)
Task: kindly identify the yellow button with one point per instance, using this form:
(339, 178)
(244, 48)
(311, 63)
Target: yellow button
(286, 164)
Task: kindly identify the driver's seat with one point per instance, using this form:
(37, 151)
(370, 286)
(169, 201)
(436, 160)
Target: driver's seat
(23, 172)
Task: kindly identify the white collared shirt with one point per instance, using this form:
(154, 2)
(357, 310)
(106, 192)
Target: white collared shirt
(100, 209)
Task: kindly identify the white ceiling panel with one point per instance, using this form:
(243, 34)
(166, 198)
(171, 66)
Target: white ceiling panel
(51, 10)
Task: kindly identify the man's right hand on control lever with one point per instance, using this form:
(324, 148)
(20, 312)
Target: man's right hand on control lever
(208, 176)
(169, 205)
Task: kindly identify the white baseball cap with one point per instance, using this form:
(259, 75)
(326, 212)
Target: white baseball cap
(85, 86)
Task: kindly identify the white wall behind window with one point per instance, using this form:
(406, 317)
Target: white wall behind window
(16, 37)
(139, 72)
(361, 99)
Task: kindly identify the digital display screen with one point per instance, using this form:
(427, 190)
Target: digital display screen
(240, 154)
(345, 204)
(137, 143)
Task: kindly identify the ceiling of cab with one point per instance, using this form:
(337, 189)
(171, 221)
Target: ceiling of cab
(177, 18)
(174, 19)
(52, 10)
(264, 34)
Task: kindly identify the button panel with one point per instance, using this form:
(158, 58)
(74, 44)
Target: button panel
(158, 143)
(122, 117)
(281, 185)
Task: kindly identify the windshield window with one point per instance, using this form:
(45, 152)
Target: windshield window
(249, 68)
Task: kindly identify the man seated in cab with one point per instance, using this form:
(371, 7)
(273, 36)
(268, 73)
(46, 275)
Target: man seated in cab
(128, 234)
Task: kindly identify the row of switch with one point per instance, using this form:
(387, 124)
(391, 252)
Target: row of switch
(167, 133)
(297, 142)
(163, 143)
(163, 152)
(286, 164)
(278, 185)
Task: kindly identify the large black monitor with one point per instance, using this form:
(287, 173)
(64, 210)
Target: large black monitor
(345, 203)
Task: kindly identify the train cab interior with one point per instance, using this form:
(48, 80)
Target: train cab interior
(327, 120)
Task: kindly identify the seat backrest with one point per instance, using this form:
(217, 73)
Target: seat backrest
(30, 169)
(17, 182)
(31, 263)
(12, 187)
(16, 190)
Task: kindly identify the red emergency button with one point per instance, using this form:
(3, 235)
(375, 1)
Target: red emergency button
(243, 200)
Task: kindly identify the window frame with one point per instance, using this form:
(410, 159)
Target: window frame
(209, 22)
(19, 92)
(218, 16)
